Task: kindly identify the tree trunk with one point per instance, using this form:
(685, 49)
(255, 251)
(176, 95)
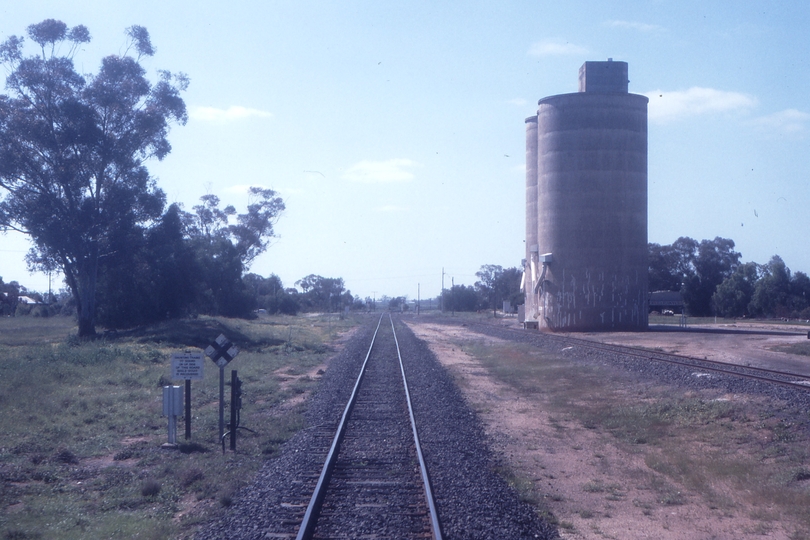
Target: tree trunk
(81, 280)
(87, 300)
(87, 327)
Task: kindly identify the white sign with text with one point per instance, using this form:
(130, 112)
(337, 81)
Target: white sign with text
(188, 366)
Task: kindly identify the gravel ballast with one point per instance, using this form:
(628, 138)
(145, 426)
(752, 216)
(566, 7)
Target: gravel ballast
(473, 500)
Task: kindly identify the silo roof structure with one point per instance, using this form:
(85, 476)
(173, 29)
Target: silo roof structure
(586, 206)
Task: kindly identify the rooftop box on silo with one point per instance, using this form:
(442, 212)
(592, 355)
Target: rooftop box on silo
(603, 77)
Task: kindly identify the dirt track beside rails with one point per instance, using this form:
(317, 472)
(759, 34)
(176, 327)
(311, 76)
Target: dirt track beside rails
(595, 485)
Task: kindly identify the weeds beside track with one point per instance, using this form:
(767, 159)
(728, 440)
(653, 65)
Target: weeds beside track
(80, 455)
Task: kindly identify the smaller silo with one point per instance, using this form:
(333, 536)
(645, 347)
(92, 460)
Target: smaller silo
(531, 262)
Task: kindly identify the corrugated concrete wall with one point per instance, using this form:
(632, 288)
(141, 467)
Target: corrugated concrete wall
(591, 212)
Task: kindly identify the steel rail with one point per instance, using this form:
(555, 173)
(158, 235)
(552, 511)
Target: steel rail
(311, 516)
(637, 351)
(715, 366)
(434, 516)
(308, 524)
(726, 368)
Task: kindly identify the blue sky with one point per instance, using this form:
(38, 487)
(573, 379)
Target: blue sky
(394, 130)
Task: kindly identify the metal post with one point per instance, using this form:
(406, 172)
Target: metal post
(172, 429)
(452, 295)
(172, 406)
(234, 390)
(221, 401)
(188, 408)
(441, 296)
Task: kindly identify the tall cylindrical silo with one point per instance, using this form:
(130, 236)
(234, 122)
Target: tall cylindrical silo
(531, 261)
(592, 205)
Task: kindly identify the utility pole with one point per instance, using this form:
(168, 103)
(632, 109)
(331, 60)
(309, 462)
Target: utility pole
(441, 297)
(452, 291)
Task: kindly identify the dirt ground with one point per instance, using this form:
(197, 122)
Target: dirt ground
(591, 481)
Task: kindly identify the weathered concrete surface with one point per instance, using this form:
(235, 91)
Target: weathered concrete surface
(591, 212)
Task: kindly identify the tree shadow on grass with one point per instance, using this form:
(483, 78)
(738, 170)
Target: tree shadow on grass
(197, 333)
(192, 447)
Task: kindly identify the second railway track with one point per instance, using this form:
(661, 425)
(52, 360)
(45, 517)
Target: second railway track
(760, 374)
(784, 378)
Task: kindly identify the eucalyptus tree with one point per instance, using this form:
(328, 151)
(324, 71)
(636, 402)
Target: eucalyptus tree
(771, 294)
(73, 148)
(252, 231)
(714, 261)
(321, 293)
(225, 244)
(733, 296)
(190, 262)
(496, 284)
(693, 268)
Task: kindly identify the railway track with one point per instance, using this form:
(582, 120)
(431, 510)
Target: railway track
(371, 481)
(374, 482)
(783, 378)
(772, 376)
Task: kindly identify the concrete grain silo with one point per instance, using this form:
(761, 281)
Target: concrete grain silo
(586, 206)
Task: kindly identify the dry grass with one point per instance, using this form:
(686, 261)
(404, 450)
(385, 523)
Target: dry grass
(80, 455)
(802, 348)
(724, 452)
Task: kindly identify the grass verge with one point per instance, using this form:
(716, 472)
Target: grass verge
(80, 455)
(801, 349)
(726, 453)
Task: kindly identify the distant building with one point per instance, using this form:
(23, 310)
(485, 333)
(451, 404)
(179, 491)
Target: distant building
(662, 301)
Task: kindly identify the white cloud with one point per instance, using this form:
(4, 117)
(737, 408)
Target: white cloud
(633, 25)
(380, 172)
(696, 101)
(555, 48)
(390, 208)
(520, 102)
(787, 121)
(234, 112)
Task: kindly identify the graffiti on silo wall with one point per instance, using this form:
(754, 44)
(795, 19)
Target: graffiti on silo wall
(615, 299)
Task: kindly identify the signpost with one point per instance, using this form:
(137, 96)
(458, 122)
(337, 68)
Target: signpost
(172, 406)
(236, 406)
(188, 366)
(221, 351)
